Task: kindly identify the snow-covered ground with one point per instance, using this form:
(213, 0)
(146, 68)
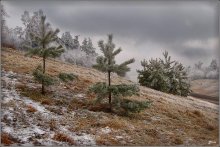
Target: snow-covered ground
(32, 128)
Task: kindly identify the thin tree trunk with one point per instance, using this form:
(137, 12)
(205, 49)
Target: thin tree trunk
(44, 66)
(109, 84)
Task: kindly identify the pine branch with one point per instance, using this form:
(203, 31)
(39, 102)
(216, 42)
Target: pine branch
(116, 52)
(34, 51)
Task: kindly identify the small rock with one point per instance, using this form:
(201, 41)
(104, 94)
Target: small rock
(39, 131)
(211, 142)
(155, 118)
(37, 143)
(123, 142)
(147, 122)
(119, 137)
(80, 95)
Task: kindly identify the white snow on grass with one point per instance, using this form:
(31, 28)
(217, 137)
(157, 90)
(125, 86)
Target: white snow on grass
(36, 105)
(7, 129)
(26, 129)
(82, 139)
(38, 131)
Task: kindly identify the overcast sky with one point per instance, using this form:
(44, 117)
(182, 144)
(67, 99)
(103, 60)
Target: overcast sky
(188, 30)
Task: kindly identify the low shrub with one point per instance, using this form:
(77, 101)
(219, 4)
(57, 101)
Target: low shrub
(65, 77)
(43, 77)
(165, 75)
(134, 106)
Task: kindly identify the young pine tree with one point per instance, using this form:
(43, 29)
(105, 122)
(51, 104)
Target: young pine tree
(67, 40)
(76, 44)
(107, 64)
(44, 49)
(87, 47)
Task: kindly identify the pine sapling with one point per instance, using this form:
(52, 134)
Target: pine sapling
(107, 64)
(44, 48)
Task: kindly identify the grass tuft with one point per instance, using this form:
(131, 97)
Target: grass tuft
(63, 138)
(52, 124)
(31, 109)
(6, 139)
(198, 113)
(178, 141)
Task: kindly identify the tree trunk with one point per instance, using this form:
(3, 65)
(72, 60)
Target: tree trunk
(44, 65)
(109, 84)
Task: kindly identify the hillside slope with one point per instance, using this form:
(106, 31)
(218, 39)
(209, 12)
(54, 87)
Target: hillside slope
(206, 89)
(209, 87)
(66, 115)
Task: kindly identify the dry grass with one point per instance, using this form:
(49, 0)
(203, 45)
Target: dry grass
(115, 123)
(52, 124)
(198, 113)
(83, 124)
(178, 141)
(33, 94)
(106, 140)
(27, 65)
(6, 139)
(75, 104)
(210, 127)
(99, 107)
(31, 109)
(63, 138)
(47, 102)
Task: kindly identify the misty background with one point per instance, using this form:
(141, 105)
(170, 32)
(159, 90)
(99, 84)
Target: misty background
(188, 30)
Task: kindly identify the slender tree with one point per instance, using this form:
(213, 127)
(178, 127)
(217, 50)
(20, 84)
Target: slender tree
(115, 93)
(213, 65)
(76, 44)
(68, 40)
(4, 28)
(88, 48)
(44, 49)
(107, 63)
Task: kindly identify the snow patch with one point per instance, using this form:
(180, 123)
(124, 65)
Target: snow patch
(106, 130)
(7, 129)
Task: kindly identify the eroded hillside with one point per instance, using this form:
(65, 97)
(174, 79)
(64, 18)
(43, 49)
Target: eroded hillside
(66, 116)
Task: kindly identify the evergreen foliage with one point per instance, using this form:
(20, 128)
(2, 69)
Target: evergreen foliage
(88, 48)
(42, 77)
(198, 71)
(213, 65)
(44, 48)
(32, 25)
(134, 105)
(164, 75)
(68, 40)
(115, 93)
(102, 91)
(65, 77)
(76, 44)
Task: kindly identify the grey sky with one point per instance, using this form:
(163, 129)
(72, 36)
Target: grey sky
(144, 29)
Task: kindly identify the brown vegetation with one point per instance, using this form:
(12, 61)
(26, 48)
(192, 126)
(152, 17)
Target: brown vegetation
(64, 138)
(31, 109)
(7, 140)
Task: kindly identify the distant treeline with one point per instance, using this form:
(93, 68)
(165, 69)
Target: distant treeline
(198, 71)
